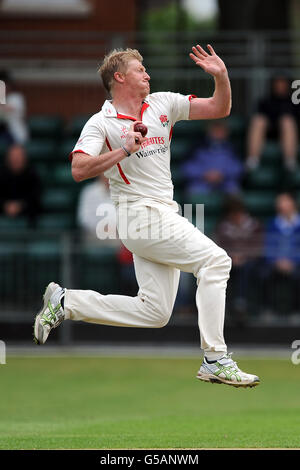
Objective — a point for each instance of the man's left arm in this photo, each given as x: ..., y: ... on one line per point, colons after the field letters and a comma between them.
x: 219, y: 105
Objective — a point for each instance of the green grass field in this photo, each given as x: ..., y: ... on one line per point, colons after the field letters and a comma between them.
x: 80, y: 403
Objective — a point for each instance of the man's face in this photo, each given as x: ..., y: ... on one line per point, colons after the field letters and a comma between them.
x: 285, y: 205
x: 16, y: 159
x: 137, y: 78
x: 218, y: 132
x: 281, y: 87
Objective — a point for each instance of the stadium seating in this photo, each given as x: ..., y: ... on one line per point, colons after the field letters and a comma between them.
x: 58, y: 199
x: 97, y: 269
x: 11, y: 264
x: 260, y: 203
x: 3, y: 149
x: 271, y: 155
x: 236, y: 125
x: 293, y: 180
x: 56, y: 222
x: 213, y: 202
x: 41, y: 254
x: 189, y: 130
x: 263, y: 178
x: 39, y: 150
x: 62, y: 175
x: 8, y: 224
x: 76, y: 125
x: 45, y: 126
x: 177, y: 176
x: 179, y: 149
x: 65, y: 148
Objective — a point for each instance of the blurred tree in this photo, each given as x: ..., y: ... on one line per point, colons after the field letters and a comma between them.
x: 170, y: 15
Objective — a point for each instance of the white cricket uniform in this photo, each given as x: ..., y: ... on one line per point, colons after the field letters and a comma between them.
x: 144, y: 179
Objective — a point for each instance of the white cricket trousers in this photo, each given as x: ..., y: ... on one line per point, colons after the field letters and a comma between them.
x: 162, y: 243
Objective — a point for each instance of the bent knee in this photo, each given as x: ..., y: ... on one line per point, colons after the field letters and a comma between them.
x: 162, y: 321
x: 158, y: 316
x: 161, y: 317
x: 222, y: 259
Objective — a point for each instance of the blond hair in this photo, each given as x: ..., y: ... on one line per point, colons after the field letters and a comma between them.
x: 116, y: 61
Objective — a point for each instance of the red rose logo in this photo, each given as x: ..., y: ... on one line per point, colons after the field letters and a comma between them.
x: 164, y: 120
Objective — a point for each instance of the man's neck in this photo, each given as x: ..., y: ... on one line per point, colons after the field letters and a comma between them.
x: 130, y: 106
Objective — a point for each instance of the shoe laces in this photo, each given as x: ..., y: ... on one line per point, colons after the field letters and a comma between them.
x: 52, y: 316
x: 232, y: 363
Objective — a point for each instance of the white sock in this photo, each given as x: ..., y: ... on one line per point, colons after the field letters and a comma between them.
x: 214, y: 356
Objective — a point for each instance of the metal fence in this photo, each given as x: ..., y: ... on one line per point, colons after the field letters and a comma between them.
x: 251, y: 56
x: 31, y: 259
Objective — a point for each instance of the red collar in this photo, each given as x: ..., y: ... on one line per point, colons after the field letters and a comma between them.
x: 123, y: 116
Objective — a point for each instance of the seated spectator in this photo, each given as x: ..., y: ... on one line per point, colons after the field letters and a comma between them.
x: 214, y: 166
x: 276, y: 116
x: 240, y: 235
x: 282, y: 255
x: 13, y: 127
x: 20, y: 187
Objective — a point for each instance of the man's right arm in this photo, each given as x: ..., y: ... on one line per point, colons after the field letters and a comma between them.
x: 85, y: 166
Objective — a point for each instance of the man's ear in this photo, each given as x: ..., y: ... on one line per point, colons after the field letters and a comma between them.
x: 119, y: 77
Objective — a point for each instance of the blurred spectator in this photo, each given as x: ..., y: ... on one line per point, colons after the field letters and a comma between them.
x: 282, y: 255
x: 95, y: 205
x: 214, y: 166
x: 96, y: 216
x: 276, y: 117
x: 240, y: 235
x: 13, y: 127
x: 20, y: 187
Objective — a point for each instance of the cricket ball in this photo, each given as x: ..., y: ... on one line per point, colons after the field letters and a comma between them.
x: 138, y: 127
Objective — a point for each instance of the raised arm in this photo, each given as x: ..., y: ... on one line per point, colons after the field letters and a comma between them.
x: 219, y: 105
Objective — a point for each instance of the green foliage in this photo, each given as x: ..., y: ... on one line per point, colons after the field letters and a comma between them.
x: 173, y: 18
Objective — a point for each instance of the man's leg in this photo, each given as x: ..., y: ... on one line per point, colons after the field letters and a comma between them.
x: 178, y: 243
x: 256, y: 140
x: 289, y: 140
x: 151, y: 308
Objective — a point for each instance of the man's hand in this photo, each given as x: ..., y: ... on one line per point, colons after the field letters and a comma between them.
x: 219, y: 105
x: 134, y: 139
x: 210, y: 63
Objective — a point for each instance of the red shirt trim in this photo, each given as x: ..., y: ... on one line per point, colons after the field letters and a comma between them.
x: 124, y: 116
x: 171, y: 132
x: 74, y: 151
x: 144, y: 107
x: 122, y: 174
x: 191, y: 97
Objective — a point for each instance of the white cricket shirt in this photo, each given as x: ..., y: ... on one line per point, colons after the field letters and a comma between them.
x: 146, y: 173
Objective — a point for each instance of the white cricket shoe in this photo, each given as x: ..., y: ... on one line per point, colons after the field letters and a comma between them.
x: 226, y: 371
x: 51, y: 315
